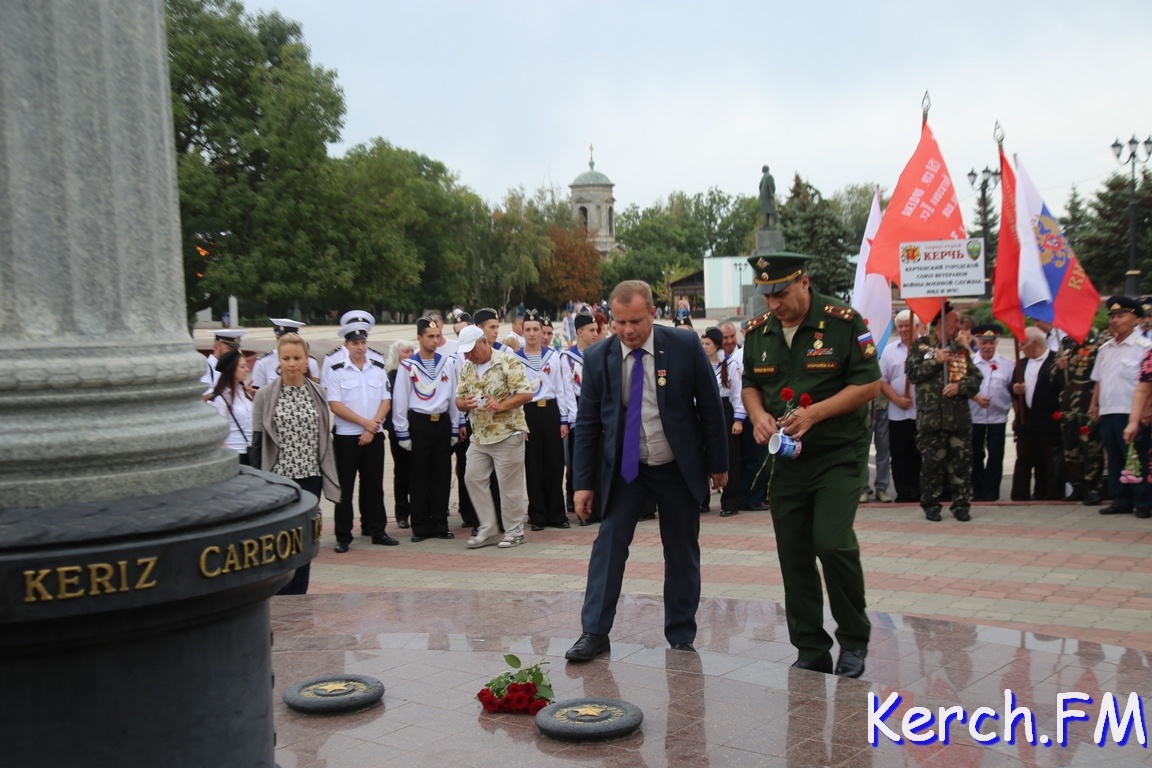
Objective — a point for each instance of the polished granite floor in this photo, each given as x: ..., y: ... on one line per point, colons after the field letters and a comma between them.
x: 736, y: 703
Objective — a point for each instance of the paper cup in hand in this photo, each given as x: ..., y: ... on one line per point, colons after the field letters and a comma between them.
x: 784, y: 446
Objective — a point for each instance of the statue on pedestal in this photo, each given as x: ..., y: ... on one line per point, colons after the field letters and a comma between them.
x: 768, y: 201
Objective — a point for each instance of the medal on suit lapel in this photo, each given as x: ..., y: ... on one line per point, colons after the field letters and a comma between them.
x: 661, y: 380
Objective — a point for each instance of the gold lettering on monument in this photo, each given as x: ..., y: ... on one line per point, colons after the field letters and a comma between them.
x: 251, y: 553
x: 89, y: 580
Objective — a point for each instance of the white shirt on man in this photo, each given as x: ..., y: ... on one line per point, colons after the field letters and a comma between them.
x: 892, y: 371
x: 360, y: 389
x: 1117, y: 372
x: 997, y: 386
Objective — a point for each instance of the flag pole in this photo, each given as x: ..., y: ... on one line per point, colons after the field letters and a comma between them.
x: 1017, y: 400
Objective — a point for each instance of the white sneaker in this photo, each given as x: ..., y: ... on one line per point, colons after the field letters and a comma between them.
x: 511, y: 541
x: 475, y: 543
x: 865, y: 497
x: 883, y: 496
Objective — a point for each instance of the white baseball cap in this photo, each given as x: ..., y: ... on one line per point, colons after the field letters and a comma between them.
x: 468, y: 338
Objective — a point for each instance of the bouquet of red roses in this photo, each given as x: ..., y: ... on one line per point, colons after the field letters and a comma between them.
x: 520, y: 690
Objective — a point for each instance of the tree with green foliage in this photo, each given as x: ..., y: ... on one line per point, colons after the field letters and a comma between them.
x: 1075, y: 221
x: 853, y: 204
x: 1104, y: 240
x: 252, y: 119
x: 813, y: 226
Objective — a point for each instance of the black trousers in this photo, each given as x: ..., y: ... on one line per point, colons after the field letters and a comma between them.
x: 1040, y: 454
x: 680, y: 535
x: 544, y: 464
x: 905, y: 459
x: 400, y: 472
x: 468, y: 517
x: 730, y: 498
x: 430, y: 472
x: 988, y: 469
x: 299, y: 583
x: 367, y: 461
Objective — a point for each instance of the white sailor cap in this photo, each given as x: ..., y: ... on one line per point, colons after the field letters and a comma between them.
x: 230, y: 336
x: 283, y: 325
x: 357, y: 316
x: 355, y: 331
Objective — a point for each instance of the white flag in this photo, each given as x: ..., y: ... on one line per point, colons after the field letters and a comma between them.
x: 872, y: 293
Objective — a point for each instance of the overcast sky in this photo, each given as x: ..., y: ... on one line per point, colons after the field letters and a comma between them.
x: 691, y: 95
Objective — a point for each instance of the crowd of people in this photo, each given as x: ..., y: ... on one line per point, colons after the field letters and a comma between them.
x: 809, y: 383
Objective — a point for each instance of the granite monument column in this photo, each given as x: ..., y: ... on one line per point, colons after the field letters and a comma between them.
x: 136, y: 558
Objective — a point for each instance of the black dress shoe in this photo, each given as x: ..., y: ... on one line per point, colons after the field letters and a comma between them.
x: 588, y: 647
x: 754, y: 507
x: 403, y: 524
x: 1091, y: 498
x: 418, y: 539
x: 564, y: 524
x: 728, y: 512
x: 341, y: 547
x: 684, y: 647
x: 384, y: 540
x: 446, y: 535
x: 934, y: 516
x: 823, y: 665
x: 850, y: 663
x: 535, y: 527
x: 1144, y: 513
x: 961, y: 515
x: 1116, y: 510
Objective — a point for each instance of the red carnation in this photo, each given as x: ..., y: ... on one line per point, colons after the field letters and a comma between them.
x: 805, y: 400
x: 994, y: 366
x: 536, y: 706
x: 1084, y: 431
x: 787, y: 394
x: 1057, y: 415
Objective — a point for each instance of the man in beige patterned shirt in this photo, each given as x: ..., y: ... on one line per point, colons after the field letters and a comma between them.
x: 493, y: 390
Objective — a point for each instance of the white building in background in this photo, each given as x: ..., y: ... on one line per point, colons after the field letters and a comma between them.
x: 728, y: 288
x: 594, y: 206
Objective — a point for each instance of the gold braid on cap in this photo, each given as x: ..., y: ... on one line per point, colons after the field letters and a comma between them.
x: 764, y: 280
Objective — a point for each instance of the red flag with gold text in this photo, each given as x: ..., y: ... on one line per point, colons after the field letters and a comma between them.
x: 923, y: 207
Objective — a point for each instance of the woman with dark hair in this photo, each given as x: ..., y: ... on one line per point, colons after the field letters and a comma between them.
x: 293, y: 433
x: 734, y: 414
x: 231, y: 400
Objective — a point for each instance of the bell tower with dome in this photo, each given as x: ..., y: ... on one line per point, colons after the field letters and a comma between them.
x: 593, y: 206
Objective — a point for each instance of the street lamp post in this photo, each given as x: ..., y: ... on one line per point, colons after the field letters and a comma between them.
x: 1132, y: 277
x: 989, y: 179
x: 740, y: 266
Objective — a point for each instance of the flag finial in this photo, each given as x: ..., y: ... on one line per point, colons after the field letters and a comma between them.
x: 998, y: 134
x: 926, y: 104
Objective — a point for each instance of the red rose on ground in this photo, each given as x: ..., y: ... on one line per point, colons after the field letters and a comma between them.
x: 536, y: 706
x: 529, y: 688
x: 1057, y: 415
x: 787, y: 394
x: 1084, y: 430
x: 805, y: 400
x: 517, y: 701
x: 512, y: 688
x: 486, y: 695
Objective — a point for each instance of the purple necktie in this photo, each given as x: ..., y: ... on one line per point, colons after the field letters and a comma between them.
x: 630, y: 459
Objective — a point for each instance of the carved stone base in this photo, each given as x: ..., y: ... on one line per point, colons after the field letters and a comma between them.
x: 769, y: 241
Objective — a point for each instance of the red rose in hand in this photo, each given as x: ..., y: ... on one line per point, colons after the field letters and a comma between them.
x: 1084, y: 431
x: 787, y: 394
x: 536, y: 706
x: 805, y: 400
x: 1057, y: 415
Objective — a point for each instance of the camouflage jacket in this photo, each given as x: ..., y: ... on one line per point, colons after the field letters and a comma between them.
x: 1077, y: 377
x: 933, y: 410
x: 504, y: 377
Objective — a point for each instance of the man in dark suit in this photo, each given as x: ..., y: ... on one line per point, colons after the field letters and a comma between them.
x: 1039, y: 448
x: 650, y: 394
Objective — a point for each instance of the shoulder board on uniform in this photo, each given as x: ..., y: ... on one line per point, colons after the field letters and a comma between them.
x: 338, y: 366
x: 335, y: 350
x: 266, y: 354
x: 376, y: 363
x: 844, y: 313
x: 756, y: 322
x: 370, y: 349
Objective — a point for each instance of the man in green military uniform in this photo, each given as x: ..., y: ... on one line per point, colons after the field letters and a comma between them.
x: 819, y: 348
x: 1083, y: 453
x: 945, y: 379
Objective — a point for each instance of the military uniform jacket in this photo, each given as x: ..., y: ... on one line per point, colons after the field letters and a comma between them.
x: 832, y: 349
x: 933, y: 410
x: 1077, y: 377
